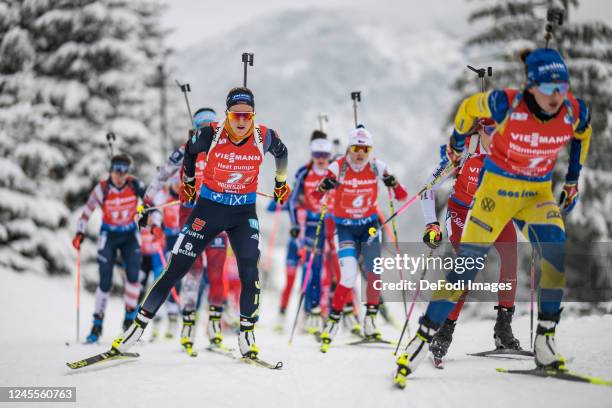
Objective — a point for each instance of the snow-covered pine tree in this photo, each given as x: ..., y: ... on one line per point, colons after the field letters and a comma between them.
x: 502, y: 29
x: 77, y: 70
x: 587, y: 48
x: 33, y: 235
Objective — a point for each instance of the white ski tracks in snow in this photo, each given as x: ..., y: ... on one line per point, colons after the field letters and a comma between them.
x: 38, y: 318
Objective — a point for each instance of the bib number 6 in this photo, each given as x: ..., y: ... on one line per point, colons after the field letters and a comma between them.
x: 358, y: 201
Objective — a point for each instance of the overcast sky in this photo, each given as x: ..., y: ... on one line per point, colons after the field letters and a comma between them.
x: 196, y: 20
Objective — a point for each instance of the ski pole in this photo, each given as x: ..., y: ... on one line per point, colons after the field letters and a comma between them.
x: 247, y: 59
x: 160, y: 253
x: 382, y: 218
x: 532, y: 290
x: 322, y: 117
x: 397, y: 250
x: 450, y: 167
x: 141, y: 208
x: 78, y: 295
x: 185, y: 88
x: 356, y: 97
x: 309, y: 268
x: 110, y: 138
x: 416, y: 295
x: 264, y: 194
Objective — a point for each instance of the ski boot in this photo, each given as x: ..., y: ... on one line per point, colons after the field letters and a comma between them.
x: 350, y: 321
x: 415, y: 352
x: 370, y: 331
x: 130, y: 314
x: 441, y: 341
x: 213, y: 328
x: 132, y: 334
x: 188, y: 332
x: 502, y: 332
x: 314, y: 322
x: 331, y: 329
x: 230, y: 318
x: 155, y: 329
x: 172, y: 325
x: 96, y: 329
x: 546, y: 355
x: 384, y: 313
x: 246, y: 338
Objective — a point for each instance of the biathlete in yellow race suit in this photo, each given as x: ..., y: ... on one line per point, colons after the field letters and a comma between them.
x: 533, y: 125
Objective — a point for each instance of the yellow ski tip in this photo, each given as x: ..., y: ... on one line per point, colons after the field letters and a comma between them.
x: 501, y: 370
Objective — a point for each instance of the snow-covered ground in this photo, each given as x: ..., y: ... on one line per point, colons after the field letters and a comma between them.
x: 37, y: 319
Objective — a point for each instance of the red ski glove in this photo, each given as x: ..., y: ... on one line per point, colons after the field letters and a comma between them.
x: 158, y: 233
x: 568, y: 197
x: 77, y: 240
x: 400, y: 192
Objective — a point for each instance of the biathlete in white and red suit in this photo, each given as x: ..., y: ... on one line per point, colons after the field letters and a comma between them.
x: 307, y: 180
x: 166, y: 224
x: 235, y: 149
x: 459, y: 204
x: 117, y: 196
x: 215, y: 253
x: 355, y: 180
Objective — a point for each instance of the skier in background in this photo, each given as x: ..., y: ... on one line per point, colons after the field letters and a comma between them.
x: 306, y: 181
x: 459, y: 203
x: 533, y: 125
x: 117, y: 196
x: 235, y: 150
x: 295, y: 249
x: 355, y: 178
x: 166, y: 219
x: 152, y: 238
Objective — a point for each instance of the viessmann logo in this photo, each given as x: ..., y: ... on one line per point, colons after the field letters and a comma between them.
x: 232, y: 157
x: 356, y: 182
x: 535, y: 139
x: 120, y: 200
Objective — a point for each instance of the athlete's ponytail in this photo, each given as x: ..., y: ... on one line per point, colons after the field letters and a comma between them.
x: 523, y: 54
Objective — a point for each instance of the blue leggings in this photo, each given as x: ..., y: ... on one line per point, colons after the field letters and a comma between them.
x: 108, y: 244
x: 313, y: 288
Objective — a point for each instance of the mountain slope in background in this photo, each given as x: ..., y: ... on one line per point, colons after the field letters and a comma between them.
x: 307, y: 62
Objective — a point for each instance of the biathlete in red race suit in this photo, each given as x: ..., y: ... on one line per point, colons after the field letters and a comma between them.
x: 532, y: 126
x: 235, y: 149
x: 307, y: 180
x: 118, y: 197
x: 459, y: 203
x: 354, y: 178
